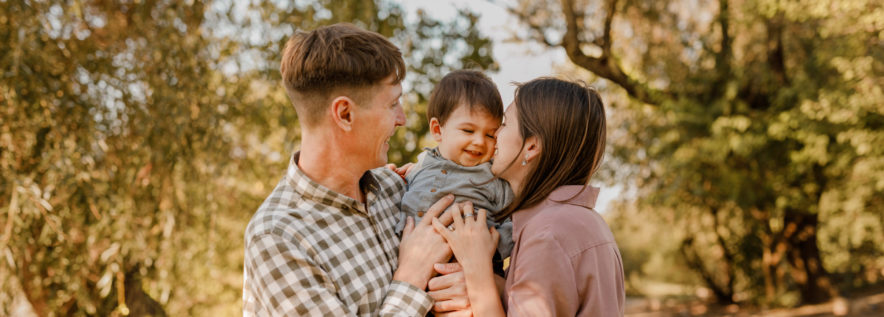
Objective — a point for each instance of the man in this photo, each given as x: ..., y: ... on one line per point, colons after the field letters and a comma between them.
x: 323, y: 243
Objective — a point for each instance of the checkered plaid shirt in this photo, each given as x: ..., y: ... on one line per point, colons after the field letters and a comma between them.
x: 312, y: 251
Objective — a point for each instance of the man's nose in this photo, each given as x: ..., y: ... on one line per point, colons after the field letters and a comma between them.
x: 400, y: 117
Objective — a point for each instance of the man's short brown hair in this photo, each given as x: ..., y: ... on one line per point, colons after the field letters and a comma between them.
x: 468, y: 87
x: 341, y: 56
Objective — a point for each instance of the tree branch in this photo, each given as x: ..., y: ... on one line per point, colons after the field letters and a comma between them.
x: 537, y: 29
x: 775, y: 55
x: 722, y: 58
x: 605, y: 66
x: 606, y: 36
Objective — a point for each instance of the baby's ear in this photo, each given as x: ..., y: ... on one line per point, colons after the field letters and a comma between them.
x: 436, y: 129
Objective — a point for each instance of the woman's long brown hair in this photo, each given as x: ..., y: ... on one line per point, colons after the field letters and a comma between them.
x: 568, y: 120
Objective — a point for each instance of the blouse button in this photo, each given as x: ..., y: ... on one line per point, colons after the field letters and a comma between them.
x: 444, y: 172
x: 433, y: 190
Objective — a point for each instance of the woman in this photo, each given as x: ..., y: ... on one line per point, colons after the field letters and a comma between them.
x: 565, y: 261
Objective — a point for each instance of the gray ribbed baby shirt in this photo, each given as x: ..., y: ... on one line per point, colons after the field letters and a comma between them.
x: 435, y: 176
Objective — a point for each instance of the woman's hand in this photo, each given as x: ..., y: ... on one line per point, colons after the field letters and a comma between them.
x: 472, y: 242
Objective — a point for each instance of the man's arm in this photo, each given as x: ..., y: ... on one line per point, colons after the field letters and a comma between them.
x: 286, y: 281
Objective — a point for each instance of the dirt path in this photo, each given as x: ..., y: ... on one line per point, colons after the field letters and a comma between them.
x: 865, y: 306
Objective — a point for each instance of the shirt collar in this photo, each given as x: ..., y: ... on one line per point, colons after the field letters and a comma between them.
x: 309, y: 189
x: 568, y: 194
x: 434, y: 152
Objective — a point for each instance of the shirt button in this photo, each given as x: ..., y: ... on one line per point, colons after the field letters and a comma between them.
x: 433, y: 190
x: 444, y: 172
x: 420, y: 213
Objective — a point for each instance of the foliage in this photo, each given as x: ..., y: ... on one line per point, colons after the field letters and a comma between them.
x: 137, y: 138
x: 753, y: 127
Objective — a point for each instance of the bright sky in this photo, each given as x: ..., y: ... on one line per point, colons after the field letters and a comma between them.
x: 519, y: 62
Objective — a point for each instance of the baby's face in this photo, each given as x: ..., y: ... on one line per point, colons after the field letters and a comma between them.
x: 467, y: 137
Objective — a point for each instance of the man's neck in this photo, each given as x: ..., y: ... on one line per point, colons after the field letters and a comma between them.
x: 325, y: 163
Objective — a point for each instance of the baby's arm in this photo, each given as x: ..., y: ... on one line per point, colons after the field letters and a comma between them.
x: 402, y: 170
x: 407, y: 167
x: 501, y: 195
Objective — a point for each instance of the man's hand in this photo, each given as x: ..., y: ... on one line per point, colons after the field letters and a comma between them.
x: 421, y: 246
x: 449, y: 290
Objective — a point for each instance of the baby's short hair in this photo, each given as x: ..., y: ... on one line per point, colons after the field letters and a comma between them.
x: 469, y: 87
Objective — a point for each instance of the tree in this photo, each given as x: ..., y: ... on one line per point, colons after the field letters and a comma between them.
x: 750, y: 120
x: 137, y: 139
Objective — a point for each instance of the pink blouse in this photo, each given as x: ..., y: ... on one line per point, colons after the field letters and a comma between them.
x: 565, y: 261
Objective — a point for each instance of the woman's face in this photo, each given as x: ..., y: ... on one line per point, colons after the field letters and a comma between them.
x: 509, y: 144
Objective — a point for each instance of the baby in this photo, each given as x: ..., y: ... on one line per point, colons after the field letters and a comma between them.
x: 465, y: 111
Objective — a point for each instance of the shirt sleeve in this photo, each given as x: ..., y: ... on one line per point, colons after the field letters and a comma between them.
x: 286, y: 281
x: 404, y: 299
x: 542, y: 280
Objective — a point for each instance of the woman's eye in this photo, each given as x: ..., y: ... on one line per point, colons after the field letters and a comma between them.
x: 467, y: 131
x: 490, y: 136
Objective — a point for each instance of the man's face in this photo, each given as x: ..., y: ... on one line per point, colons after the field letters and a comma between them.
x: 377, y: 122
x: 467, y: 137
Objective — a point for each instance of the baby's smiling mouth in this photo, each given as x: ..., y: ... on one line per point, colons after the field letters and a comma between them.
x: 473, y: 153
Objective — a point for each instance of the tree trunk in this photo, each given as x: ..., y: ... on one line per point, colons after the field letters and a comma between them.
x: 723, y: 294
x: 804, y: 258
x: 139, y: 302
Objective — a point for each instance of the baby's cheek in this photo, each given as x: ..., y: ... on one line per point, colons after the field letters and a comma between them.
x: 491, y: 144
x: 489, y: 151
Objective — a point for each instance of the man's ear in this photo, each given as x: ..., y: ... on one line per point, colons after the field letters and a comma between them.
x: 436, y: 129
x: 532, y: 148
x: 342, y: 112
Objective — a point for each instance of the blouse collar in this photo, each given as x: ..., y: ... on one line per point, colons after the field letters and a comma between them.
x: 576, y: 195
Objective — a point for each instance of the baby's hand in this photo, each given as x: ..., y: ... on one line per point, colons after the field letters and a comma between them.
x: 402, y: 171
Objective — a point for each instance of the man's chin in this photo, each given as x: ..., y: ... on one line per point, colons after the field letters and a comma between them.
x: 382, y: 161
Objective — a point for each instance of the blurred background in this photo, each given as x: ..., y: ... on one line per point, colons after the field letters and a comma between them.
x: 744, y: 172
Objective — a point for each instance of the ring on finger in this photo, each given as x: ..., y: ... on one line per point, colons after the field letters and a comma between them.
x: 468, y: 215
